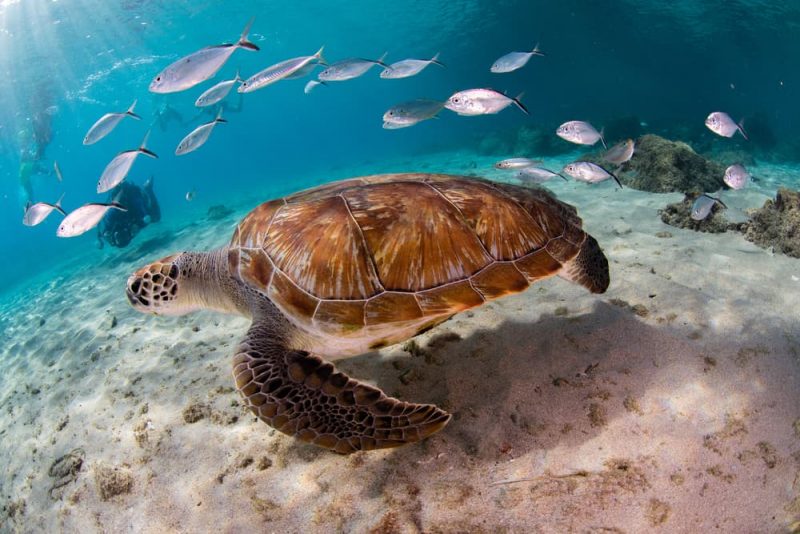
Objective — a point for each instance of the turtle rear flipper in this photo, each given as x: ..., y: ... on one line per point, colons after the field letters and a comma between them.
x: 304, y: 396
x: 588, y: 268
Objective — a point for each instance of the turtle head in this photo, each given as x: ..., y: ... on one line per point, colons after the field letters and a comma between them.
x: 180, y: 284
x: 157, y: 287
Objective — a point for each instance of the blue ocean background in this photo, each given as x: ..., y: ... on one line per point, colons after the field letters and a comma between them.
x: 644, y: 65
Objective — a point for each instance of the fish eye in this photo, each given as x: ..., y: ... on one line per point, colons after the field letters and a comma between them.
x: 158, y: 79
x: 456, y: 100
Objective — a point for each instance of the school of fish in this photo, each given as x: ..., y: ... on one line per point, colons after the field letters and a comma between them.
x: 203, y: 64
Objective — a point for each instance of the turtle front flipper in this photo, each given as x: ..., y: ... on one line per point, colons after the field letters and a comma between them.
x: 304, y: 396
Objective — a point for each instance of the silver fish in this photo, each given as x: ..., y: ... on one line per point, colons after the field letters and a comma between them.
x: 36, y: 213
x: 198, y: 136
x: 410, y: 113
x: 736, y: 176
x: 116, y: 171
x: 347, y: 69
x: 481, y: 102
x: 580, y: 133
x: 536, y: 175
x: 702, y: 206
x: 106, y: 123
x: 514, y: 60
x: 516, y: 163
x: 57, y: 171
x: 85, y: 218
x: 586, y: 171
x: 305, y: 71
x: 283, y: 70
x: 408, y: 67
x: 397, y: 125
x: 620, y: 153
x: 199, y: 66
x: 190, y: 195
x: 722, y: 124
x: 311, y: 85
x: 217, y: 93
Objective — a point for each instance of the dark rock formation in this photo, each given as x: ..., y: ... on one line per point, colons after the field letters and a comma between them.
x: 662, y: 166
x: 777, y: 224
x: 679, y: 215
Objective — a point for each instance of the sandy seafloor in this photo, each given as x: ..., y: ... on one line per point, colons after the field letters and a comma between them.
x: 669, y: 404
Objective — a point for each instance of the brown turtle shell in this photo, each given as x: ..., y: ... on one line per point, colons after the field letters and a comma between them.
x: 408, y: 249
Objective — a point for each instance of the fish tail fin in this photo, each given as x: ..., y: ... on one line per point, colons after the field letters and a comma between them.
x: 57, y: 171
x: 537, y: 52
x: 435, y: 60
x: 319, y: 56
x: 603, y: 139
x: 219, y: 116
x: 243, y: 41
x: 144, y: 150
x: 380, y: 61
x: 130, y: 112
x: 57, y: 205
x: 238, y: 78
x: 741, y: 130
x: 518, y: 102
x: 614, y: 176
x: 116, y: 205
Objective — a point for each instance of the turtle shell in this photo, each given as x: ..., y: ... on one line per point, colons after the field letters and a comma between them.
x: 382, y: 257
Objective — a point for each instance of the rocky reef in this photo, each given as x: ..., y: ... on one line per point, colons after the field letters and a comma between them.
x: 662, y: 166
x: 679, y: 215
x: 777, y: 224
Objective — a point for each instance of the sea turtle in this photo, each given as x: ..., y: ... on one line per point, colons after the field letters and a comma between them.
x: 359, y: 264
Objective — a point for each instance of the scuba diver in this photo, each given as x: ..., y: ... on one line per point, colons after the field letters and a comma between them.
x: 118, y: 227
x: 30, y: 165
x: 33, y: 140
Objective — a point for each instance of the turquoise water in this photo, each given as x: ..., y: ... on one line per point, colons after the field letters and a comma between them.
x: 64, y: 64
x: 685, y: 370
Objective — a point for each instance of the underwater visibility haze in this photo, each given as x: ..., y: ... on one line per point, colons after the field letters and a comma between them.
x: 646, y: 151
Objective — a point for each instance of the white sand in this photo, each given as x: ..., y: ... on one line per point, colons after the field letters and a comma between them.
x: 671, y: 403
